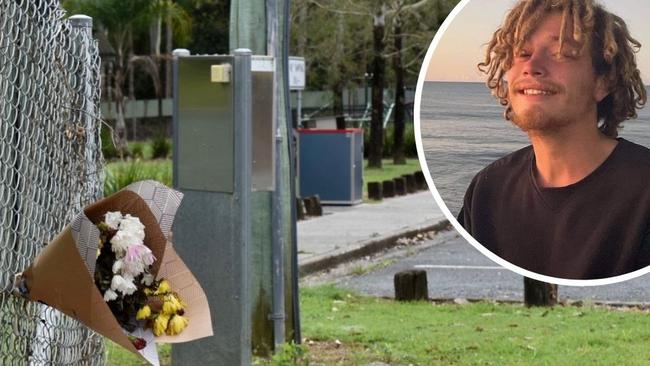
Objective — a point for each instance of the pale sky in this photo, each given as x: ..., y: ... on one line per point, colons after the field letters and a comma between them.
x: 461, y: 46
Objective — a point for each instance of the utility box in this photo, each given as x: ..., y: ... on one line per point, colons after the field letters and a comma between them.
x: 203, y: 132
x: 330, y: 164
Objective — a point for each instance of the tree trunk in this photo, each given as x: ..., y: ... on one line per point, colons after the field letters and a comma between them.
x: 375, y: 150
x: 168, y: 60
x: 398, y: 121
x: 537, y: 293
x: 118, y: 92
x: 337, y: 108
x: 134, y: 121
x: 120, y: 125
x: 338, y: 59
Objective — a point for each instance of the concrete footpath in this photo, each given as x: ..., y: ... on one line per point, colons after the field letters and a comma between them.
x: 348, y: 233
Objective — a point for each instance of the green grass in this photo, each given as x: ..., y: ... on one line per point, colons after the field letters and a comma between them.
x: 422, y: 333
x: 389, y: 170
x: 118, y: 356
x: 361, y: 269
x: 120, y: 174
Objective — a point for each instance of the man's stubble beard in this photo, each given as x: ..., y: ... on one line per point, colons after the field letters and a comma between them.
x: 535, y: 119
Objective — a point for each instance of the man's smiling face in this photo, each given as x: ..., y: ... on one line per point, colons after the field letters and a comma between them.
x: 549, y: 89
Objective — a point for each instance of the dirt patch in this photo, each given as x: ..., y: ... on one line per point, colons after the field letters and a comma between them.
x: 326, y: 353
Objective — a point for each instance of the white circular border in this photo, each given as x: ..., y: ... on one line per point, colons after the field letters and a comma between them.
x: 452, y: 219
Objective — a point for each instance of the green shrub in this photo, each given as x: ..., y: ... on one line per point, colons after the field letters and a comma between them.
x: 410, y: 149
x: 121, y: 174
x: 137, y: 150
x: 160, y: 147
x: 108, y: 147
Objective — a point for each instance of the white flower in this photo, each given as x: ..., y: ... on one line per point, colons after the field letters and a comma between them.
x: 127, y: 277
x: 136, y: 259
x: 110, y: 295
x: 112, y: 219
x: 133, y: 268
x: 123, y: 285
x: 117, y: 266
x: 121, y: 241
x: 133, y: 226
x: 147, y: 279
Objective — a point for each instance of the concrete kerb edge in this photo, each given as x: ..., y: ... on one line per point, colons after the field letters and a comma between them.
x: 365, y: 248
x: 643, y: 306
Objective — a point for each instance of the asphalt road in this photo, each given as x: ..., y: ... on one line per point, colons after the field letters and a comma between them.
x: 456, y: 270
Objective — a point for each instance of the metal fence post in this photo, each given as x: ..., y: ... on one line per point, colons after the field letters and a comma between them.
x: 88, y: 98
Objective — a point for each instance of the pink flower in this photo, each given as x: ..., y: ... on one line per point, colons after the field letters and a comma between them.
x: 137, y: 258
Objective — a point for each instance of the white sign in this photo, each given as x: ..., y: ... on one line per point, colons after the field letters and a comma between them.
x: 262, y: 63
x: 297, y: 73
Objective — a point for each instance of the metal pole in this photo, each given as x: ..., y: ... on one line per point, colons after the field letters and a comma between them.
x: 299, y: 109
x: 243, y: 105
x: 277, y: 315
x: 84, y: 24
x: 295, y: 300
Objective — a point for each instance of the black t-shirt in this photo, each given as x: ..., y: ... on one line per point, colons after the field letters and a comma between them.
x: 595, y: 228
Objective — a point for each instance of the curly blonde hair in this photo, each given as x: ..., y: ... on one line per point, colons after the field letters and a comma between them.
x: 612, y: 52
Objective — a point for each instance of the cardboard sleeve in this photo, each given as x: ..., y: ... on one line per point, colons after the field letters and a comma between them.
x: 62, y: 275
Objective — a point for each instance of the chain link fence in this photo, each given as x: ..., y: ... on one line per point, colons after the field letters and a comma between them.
x: 50, y: 166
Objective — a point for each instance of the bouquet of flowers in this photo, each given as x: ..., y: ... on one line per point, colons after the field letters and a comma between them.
x: 114, y: 269
x: 123, y: 276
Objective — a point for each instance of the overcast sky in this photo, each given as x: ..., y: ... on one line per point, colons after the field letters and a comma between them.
x: 462, y: 45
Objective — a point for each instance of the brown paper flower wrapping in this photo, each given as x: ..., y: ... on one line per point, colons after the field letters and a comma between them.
x: 61, y: 276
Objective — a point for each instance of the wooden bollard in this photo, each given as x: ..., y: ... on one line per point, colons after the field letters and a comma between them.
x: 537, y: 293
x: 312, y: 206
x: 410, y: 183
x: 388, y: 188
x: 400, y: 186
x: 300, y: 209
x: 411, y: 285
x: 375, y: 191
x: 420, y: 181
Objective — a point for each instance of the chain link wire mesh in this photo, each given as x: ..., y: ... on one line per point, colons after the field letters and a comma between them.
x: 50, y: 166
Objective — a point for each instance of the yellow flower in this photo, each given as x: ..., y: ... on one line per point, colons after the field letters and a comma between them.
x: 148, y: 291
x: 143, y: 313
x: 177, y: 324
x: 171, y: 305
x: 163, y: 288
x: 160, y: 324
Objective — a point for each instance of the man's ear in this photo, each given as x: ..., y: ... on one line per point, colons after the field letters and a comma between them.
x: 602, y: 88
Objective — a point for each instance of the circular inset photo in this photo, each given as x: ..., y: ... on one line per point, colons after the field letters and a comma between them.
x: 530, y: 123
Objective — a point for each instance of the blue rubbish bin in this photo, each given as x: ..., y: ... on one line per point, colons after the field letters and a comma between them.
x: 330, y: 164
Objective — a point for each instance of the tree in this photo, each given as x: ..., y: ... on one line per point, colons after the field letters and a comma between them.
x: 334, y: 41
x: 375, y: 150
x: 411, y: 23
x: 117, y: 20
x: 121, y: 23
x: 413, y: 29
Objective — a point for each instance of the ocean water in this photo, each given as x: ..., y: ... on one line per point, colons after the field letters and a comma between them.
x: 463, y: 131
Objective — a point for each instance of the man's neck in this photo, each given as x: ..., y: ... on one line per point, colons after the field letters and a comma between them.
x: 568, y: 155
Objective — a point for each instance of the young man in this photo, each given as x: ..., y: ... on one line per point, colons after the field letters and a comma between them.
x: 576, y: 203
